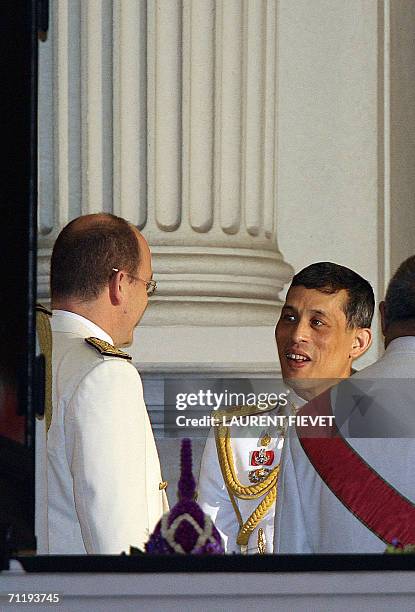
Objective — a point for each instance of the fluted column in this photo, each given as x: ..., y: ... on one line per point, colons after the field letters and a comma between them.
x: 212, y: 164
x: 92, y: 117
x: 130, y: 106
x: 165, y: 113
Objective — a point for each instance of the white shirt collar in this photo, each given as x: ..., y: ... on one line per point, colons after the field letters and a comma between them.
x: 96, y: 331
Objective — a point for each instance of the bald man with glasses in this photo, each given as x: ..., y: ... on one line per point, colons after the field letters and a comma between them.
x: 105, y: 491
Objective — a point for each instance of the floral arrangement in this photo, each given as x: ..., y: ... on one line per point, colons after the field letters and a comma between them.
x: 397, y: 548
x: 186, y: 529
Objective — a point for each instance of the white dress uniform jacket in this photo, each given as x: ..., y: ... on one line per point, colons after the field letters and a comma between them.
x: 213, y: 495
x: 310, y: 518
x: 103, y: 466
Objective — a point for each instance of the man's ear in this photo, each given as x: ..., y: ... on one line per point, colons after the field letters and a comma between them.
x: 362, y: 340
x: 115, y: 288
x: 382, y: 311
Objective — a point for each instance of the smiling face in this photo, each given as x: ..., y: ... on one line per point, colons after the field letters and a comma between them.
x: 312, y: 336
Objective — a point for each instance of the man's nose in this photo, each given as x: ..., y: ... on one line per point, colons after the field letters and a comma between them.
x: 300, y: 331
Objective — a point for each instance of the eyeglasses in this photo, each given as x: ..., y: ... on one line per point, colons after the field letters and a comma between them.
x: 151, y: 285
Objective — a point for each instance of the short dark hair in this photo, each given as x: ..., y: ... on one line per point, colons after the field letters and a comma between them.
x: 329, y: 277
x: 84, y: 255
x: 400, y: 296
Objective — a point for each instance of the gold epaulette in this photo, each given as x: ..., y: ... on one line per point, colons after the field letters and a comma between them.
x: 237, y: 411
x: 41, y: 308
x: 105, y: 348
x: 44, y: 335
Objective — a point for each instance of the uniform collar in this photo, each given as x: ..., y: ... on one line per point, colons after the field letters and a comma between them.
x: 295, y: 399
x: 70, y: 322
x: 403, y: 344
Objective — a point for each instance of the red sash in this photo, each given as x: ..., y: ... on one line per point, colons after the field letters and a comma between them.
x: 376, y: 503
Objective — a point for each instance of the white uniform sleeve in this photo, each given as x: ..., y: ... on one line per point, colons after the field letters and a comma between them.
x: 290, y: 531
x: 105, y: 434
x: 213, y: 496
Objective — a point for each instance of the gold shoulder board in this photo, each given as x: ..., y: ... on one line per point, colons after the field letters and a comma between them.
x: 105, y: 348
x: 41, y: 308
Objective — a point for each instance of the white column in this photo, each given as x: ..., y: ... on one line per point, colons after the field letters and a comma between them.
x: 60, y: 133
x: 165, y: 113
x: 211, y: 131
x: 96, y: 105
x: 130, y: 105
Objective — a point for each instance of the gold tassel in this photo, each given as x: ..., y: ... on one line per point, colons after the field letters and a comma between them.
x: 261, y: 542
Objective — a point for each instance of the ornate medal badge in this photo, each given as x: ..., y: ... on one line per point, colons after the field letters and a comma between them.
x: 256, y: 476
x: 261, y: 457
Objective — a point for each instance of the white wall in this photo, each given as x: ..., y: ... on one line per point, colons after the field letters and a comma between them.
x: 402, y: 133
x: 328, y: 135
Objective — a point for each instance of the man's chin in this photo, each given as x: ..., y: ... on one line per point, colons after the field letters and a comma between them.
x: 128, y: 342
x: 295, y: 373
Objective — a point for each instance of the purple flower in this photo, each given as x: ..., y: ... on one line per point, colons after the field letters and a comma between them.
x: 185, y: 529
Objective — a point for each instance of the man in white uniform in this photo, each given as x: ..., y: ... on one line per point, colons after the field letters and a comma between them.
x: 324, y: 326
x: 105, y: 491
x: 375, y: 414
